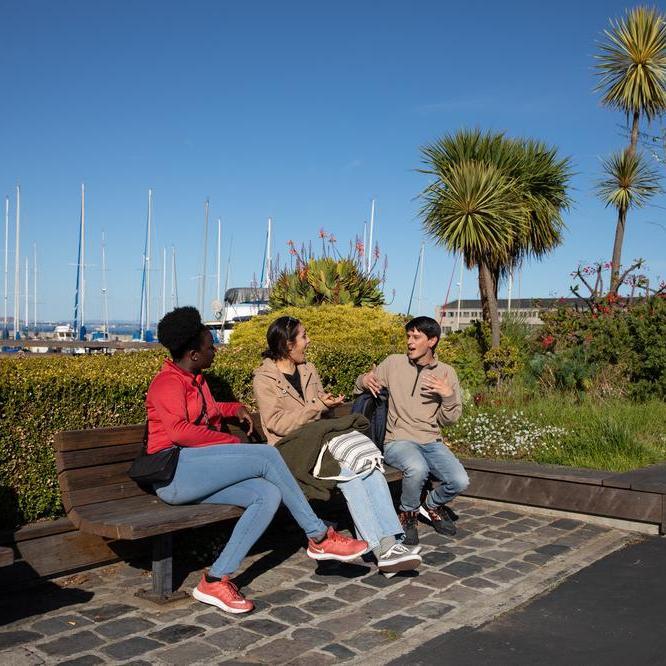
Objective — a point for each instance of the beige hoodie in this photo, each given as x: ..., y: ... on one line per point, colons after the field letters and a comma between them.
x: 280, y: 406
x: 414, y: 414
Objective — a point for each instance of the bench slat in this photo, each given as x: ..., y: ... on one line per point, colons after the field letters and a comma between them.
x: 150, y: 518
x: 79, y: 498
x: 72, y: 460
x: 93, y: 477
x: 6, y: 556
x: 75, y: 440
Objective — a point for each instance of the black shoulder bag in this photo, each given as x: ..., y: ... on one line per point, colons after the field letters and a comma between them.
x: 150, y: 468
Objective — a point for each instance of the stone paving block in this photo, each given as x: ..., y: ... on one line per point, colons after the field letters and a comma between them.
x: 410, y: 593
x: 433, y: 539
x: 531, y: 522
x: 233, y: 639
x: 131, y: 647
x: 432, y: 610
x: 344, y: 624
x: 278, y: 651
x: 460, y: 550
x: 566, y: 524
x: 176, y: 633
x: 369, y: 639
x: 9, y: 639
x: 353, y: 592
x: 72, y: 644
x: 165, y: 616
x: 214, y: 620
x: 340, y: 652
x: 380, y: 581
x: 435, y: 580
x: 479, y: 583
x: 517, y: 546
x: 291, y: 615
x: 509, y: 515
x: 123, y: 627
x: 477, y: 543
x: 537, y: 558
x: 522, y: 567
x: 499, y: 555
x: 462, y: 569
x: 83, y: 660
x: 503, y: 575
x: 60, y: 623
x: 281, y: 597
x: 437, y: 558
x: 312, y: 657
x: 482, y: 562
x: 20, y: 656
x: 189, y: 653
x: 311, y: 586
x: 263, y: 626
x: 552, y: 549
x: 397, y: 623
x: 312, y: 637
x: 459, y: 594
x: 106, y: 612
x: 323, y: 605
x: 517, y: 528
x: 498, y: 535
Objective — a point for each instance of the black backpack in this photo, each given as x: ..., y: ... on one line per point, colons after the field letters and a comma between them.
x: 375, y: 410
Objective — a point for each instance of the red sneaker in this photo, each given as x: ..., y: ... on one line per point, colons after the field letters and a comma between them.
x: 223, y: 594
x: 336, y: 547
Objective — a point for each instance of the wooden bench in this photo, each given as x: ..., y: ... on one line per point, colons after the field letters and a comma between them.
x: 6, y: 556
x: 100, y: 498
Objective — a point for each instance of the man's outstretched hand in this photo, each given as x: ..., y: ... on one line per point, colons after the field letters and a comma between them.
x: 371, y: 382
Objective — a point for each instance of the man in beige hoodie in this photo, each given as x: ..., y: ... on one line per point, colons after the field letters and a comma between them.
x: 424, y: 395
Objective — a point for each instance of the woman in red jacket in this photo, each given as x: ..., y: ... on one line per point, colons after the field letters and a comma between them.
x: 214, y: 468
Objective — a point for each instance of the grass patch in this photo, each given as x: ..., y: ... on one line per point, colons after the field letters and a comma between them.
x: 612, y: 435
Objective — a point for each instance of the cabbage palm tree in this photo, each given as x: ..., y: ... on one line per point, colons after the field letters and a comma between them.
x: 629, y: 183
x: 496, y: 201
x: 632, y: 66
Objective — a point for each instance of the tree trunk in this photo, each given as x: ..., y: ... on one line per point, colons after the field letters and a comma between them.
x: 489, y: 303
x: 617, y: 250
x: 634, y: 133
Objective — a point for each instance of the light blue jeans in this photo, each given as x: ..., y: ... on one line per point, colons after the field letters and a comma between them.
x: 247, y: 475
x: 371, y: 506
x: 416, y: 462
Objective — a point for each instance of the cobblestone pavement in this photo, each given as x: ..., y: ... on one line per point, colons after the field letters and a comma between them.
x: 307, y: 613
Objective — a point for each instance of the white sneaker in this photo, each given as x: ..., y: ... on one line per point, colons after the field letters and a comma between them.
x: 399, y: 558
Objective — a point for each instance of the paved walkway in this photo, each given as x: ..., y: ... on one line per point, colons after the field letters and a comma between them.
x: 335, y: 612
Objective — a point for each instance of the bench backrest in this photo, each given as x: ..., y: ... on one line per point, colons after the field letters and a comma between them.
x: 93, y: 464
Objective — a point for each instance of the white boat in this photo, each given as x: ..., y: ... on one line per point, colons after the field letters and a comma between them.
x: 240, y: 304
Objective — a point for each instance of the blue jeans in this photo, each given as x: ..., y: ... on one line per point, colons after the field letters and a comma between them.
x: 247, y: 475
x: 416, y: 462
x: 371, y: 507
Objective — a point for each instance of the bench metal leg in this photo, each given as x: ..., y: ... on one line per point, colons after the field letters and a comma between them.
x: 162, y: 573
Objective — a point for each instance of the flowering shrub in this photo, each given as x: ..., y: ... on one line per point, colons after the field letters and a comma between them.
x: 502, y: 434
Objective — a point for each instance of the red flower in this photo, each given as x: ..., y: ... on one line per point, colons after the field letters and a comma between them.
x: 547, y: 342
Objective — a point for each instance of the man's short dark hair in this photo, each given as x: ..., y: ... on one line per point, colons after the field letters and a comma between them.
x: 426, y: 325
x: 180, y: 331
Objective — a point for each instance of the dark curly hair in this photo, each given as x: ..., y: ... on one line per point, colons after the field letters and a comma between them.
x: 180, y: 331
x: 280, y: 333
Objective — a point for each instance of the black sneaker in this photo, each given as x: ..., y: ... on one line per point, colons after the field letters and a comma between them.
x: 441, y: 518
x: 409, y: 522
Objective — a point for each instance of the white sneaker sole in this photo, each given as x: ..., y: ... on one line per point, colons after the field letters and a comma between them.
x: 329, y: 556
x: 214, y: 601
x: 406, y: 563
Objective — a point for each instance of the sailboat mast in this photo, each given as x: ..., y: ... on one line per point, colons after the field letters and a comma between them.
x: 204, y: 277
x: 104, y: 292
x: 83, y: 256
x: 17, y: 304
x: 163, y: 281
x: 6, y: 267
x: 372, y: 228
x: 27, y: 291
x: 174, y: 282
x: 219, y: 246
x: 269, y: 260
x: 148, y: 252
x: 34, y: 286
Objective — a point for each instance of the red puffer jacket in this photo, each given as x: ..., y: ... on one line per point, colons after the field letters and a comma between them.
x: 174, y: 403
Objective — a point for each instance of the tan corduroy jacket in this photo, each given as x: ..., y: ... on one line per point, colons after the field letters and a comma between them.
x: 281, y: 408
x: 414, y: 414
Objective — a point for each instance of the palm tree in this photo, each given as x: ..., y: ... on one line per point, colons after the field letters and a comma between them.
x: 495, y: 200
x: 632, y: 67
x: 630, y: 183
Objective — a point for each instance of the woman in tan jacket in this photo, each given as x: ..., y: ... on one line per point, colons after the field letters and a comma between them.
x: 289, y: 394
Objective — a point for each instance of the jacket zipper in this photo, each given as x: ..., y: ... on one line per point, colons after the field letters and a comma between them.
x: 416, y: 381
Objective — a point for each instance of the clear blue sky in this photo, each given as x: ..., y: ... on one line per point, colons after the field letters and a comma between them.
x: 302, y: 111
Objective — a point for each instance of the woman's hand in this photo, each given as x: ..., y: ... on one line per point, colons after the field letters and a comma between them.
x: 244, y: 417
x: 330, y: 400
